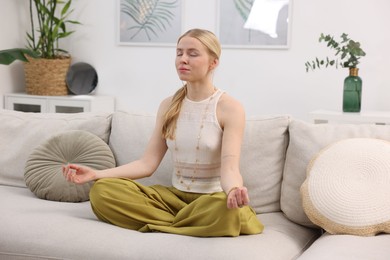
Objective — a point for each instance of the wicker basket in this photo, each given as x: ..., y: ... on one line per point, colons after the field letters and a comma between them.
x: 46, y: 77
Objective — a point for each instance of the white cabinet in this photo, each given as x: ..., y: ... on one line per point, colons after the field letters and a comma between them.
x: 366, y: 117
x: 58, y: 104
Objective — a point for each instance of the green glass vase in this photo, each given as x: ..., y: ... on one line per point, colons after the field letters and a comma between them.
x: 352, y: 96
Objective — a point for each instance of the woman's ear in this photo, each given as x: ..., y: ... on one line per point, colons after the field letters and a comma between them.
x: 214, y: 63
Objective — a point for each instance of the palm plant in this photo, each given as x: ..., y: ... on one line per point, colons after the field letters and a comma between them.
x: 43, y: 41
x: 149, y: 16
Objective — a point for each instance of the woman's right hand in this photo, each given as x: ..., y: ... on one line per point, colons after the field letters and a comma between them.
x: 78, y: 174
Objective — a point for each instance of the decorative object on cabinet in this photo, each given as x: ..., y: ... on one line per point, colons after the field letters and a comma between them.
x: 352, y: 94
x: 58, y: 104
x: 46, y: 77
x: 348, y: 54
x: 46, y: 63
x: 81, y: 79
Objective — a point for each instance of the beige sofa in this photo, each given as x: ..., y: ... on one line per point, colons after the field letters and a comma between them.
x: 275, y: 154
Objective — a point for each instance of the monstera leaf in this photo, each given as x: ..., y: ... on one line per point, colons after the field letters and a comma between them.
x: 243, y: 7
x: 149, y: 16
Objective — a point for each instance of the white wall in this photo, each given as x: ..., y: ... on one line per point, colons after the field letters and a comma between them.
x: 265, y: 81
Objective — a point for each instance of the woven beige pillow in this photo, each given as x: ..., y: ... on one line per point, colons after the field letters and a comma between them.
x: 43, y: 170
x: 347, y: 187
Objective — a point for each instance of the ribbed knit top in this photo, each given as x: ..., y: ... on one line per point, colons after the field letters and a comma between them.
x: 199, y: 169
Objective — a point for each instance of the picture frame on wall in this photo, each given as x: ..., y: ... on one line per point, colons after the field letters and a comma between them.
x: 149, y: 22
x: 254, y: 23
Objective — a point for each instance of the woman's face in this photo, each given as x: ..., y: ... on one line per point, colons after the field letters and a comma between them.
x: 193, y: 61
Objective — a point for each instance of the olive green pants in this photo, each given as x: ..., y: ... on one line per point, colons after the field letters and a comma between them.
x: 128, y: 204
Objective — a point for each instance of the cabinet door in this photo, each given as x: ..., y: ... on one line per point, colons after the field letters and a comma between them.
x: 68, y: 106
x: 26, y: 104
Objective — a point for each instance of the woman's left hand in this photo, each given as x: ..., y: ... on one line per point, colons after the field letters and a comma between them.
x: 237, y: 198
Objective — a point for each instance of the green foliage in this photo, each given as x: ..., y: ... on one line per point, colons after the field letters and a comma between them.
x: 243, y: 7
x: 42, y: 41
x: 52, y: 16
x: 9, y: 56
x: 347, y: 55
x: 149, y: 16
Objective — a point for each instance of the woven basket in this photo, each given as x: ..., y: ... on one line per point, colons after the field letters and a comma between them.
x: 46, y: 77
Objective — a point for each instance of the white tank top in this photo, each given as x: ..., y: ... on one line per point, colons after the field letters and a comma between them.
x: 197, y: 170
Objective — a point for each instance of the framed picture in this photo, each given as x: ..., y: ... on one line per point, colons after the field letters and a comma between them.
x: 254, y: 23
x: 149, y: 22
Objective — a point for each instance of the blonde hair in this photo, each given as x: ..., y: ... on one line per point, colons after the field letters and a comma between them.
x: 210, y: 41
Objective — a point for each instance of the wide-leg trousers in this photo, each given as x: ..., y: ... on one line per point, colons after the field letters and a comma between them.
x: 157, y: 208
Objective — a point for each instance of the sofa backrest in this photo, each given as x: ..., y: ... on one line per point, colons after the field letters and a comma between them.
x: 21, y: 133
x: 130, y: 133
x: 262, y: 158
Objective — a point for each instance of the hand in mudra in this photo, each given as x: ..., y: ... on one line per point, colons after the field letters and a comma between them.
x: 237, y: 197
x: 78, y: 174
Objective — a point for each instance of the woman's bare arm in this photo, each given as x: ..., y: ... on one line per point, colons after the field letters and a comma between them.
x: 143, y: 167
x: 232, y: 118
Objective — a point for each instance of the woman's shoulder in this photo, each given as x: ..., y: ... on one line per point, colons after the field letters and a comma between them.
x: 229, y: 103
x: 166, y: 101
x: 229, y: 110
x: 164, y: 105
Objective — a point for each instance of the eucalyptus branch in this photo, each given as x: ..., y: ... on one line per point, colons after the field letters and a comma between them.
x: 347, y: 53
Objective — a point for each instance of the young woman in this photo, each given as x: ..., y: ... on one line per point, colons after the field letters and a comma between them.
x: 202, y: 127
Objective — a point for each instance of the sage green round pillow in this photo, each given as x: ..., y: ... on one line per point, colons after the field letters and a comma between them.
x: 43, y: 170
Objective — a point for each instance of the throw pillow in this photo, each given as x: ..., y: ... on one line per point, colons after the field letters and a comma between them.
x: 43, y: 170
x: 22, y: 132
x: 347, y: 187
x: 306, y: 140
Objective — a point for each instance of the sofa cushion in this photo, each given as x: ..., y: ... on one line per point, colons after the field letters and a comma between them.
x: 42, y: 229
x: 43, y: 171
x: 262, y: 158
x: 348, y: 247
x: 306, y: 141
x: 347, y: 188
x: 21, y: 133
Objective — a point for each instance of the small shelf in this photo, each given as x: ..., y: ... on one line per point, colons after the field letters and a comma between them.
x: 366, y: 117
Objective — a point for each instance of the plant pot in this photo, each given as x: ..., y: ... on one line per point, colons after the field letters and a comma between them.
x: 352, y: 96
x: 46, y: 77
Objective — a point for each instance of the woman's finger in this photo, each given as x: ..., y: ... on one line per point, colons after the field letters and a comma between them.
x: 238, y: 198
x: 245, y: 197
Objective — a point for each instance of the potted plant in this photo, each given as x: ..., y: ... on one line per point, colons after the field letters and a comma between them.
x: 347, y: 55
x: 46, y: 64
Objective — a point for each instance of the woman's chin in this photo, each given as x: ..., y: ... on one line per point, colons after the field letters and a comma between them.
x: 183, y: 78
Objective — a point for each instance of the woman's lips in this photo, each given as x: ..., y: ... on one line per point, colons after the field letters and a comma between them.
x: 183, y: 69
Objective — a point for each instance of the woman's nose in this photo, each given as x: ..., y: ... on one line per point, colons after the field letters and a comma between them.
x: 184, y: 58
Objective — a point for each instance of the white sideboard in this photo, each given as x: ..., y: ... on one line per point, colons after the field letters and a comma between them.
x: 364, y: 117
x: 58, y: 104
